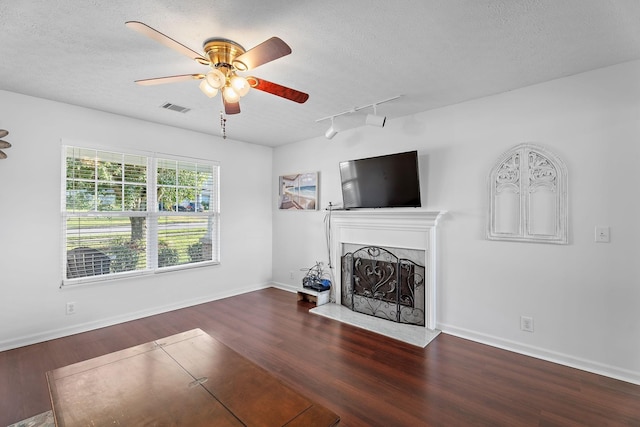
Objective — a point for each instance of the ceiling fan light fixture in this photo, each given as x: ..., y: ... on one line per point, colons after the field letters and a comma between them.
x: 240, y: 66
x: 225, y: 57
x: 216, y: 78
x: 240, y: 85
x: 230, y: 95
x: 206, y: 88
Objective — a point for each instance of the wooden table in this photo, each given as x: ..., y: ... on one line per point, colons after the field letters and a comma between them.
x: 188, y: 379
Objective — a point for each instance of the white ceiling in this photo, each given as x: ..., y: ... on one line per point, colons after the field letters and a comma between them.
x: 346, y: 54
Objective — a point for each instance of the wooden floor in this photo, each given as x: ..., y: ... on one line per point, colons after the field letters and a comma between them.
x: 367, y: 379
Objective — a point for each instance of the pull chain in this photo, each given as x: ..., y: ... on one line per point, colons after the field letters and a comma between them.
x: 223, y: 125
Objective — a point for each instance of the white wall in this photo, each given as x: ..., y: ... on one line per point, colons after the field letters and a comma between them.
x: 585, y: 296
x: 32, y: 307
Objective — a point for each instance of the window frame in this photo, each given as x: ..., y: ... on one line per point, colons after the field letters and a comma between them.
x: 152, y: 213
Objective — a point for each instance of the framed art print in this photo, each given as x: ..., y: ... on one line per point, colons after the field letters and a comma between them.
x: 298, y: 191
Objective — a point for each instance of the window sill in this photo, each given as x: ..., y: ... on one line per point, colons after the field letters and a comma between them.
x: 102, y: 279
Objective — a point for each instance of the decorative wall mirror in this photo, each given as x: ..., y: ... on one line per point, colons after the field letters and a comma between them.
x: 528, y: 197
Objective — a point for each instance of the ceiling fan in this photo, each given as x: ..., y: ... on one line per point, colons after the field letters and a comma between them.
x: 3, y: 144
x: 225, y: 58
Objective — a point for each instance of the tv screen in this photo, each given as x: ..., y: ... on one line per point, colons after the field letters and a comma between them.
x: 381, y: 182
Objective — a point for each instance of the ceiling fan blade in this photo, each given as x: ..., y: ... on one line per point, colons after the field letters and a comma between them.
x: 231, y: 107
x: 266, y: 51
x: 156, y: 35
x: 3, y: 133
x: 169, y: 79
x: 2, y: 155
x: 278, y: 90
x: 4, y: 144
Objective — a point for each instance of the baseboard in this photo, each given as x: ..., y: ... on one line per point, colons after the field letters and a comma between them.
x: 286, y: 287
x: 544, y: 354
x: 102, y: 323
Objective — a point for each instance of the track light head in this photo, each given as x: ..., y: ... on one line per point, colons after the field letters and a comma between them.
x: 374, y: 120
x: 332, y: 131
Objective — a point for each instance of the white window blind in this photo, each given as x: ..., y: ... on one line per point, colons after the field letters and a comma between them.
x: 127, y: 214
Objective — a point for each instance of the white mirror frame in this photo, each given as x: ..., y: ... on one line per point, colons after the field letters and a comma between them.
x: 528, y: 196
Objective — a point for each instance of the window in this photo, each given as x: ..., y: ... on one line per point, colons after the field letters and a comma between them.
x: 125, y: 214
x: 528, y: 197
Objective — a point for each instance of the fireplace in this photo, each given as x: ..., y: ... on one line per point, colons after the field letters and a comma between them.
x: 377, y: 282
x: 399, y: 232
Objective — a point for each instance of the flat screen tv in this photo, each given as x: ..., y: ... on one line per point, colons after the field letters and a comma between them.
x: 381, y: 182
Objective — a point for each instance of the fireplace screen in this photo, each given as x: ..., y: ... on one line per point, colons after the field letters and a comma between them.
x: 376, y: 282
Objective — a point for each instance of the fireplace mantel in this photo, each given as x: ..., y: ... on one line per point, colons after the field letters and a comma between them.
x: 409, y: 229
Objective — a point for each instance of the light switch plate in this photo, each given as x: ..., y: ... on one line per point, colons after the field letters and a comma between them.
x: 603, y: 234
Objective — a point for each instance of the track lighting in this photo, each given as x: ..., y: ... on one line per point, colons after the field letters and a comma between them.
x: 332, y: 131
x: 374, y: 119
x: 371, y: 119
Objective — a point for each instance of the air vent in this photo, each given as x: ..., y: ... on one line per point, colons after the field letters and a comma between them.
x: 174, y: 107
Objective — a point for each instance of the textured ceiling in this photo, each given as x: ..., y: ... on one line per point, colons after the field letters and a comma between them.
x: 346, y: 54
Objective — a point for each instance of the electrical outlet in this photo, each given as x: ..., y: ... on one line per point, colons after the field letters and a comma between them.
x: 71, y: 308
x: 526, y: 323
x: 291, y: 276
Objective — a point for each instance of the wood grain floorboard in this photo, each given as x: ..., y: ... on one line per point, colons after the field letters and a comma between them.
x: 367, y: 379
